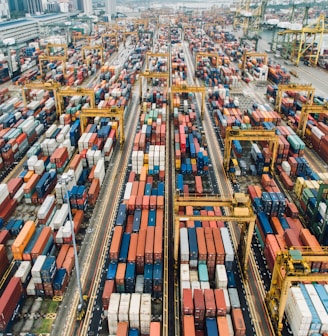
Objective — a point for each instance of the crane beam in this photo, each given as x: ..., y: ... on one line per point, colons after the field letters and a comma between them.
x: 306, y: 110
x: 294, y: 87
x: 112, y: 112
x: 190, y: 89
x: 292, y: 266
x: 249, y: 135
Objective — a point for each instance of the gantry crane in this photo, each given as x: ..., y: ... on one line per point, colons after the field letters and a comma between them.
x: 69, y: 91
x: 55, y: 45
x: 248, y: 135
x: 293, y: 87
x: 241, y: 212
x: 292, y: 266
x: 95, y: 47
x: 306, y: 42
x: 54, y: 86
x: 111, y: 112
x: 110, y: 35
x: 305, y: 111
x: 189, y: 89
x: 201, y: 54
x: 43, y: 58
x: 129, y: 33
x: 79, y: 36
x: 248, y: 54
x: 150, y: 54
x: 148, y: 74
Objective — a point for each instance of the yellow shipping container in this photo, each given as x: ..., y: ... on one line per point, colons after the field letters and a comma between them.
x: 22, y: 239
x: 146, y: 158
x: 193, y: 161
x: 266, y: 169
x: 28, y: 175
x: 177, y: 164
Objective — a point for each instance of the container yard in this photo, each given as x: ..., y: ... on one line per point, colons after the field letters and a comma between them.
x: 165, y: 174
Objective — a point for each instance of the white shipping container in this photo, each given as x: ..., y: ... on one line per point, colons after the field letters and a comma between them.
x: 204, y: 285
x: 20, y: 193
x: 60, y: 216
x: 195, y: 285
x: 184, y: 272
x: 227, y: 300
x: 30, y: 290
x: 59, y: 236
x: 23, y: 270
x: 134, y: 311
x: 113, y: 312
x: 46, y: 206
x: 297, y: 312
x: 36, y: 269
x: 4, y: 192
x: 50, y: 131
x: 139, y: 284
x: 230, y: 326
x: 321, y: 311
x: 123, y: 311
x: 184, y: 245
x: 145, y: 313
x: 228, y: 248
x: 100, y: 170
x: 234, y: 298
x: 221, y: 279
x: 193, y: 275
x: 127, y: 191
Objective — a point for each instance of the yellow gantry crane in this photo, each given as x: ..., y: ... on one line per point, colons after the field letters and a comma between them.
x: 109, y: 35
x: 129, y: 33
x: 241, y: 212
x: 293, y: 87
x: 248, y: 54
x: 306, y: 42
x: 77, y: 37
x: 190, y: 89
x: 43, y: 58
x: 249, y: 135
x: 292, y: 266
x: 69, y: 91
x: 95, y: 47
x: 54, y: 86
x: 148, y: 74
x: 111, y: 112
x: 306, y: 110
x: 150, y: 54
x: 55, y: 45
x: 201, y: 54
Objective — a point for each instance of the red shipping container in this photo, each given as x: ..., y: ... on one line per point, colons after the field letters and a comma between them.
x: 13, y: 185
x: 210, y: 306
x: 221, y: 307
x: 4, y: 262
x: 158, y: 244
x: 141, y: 251
x: 199, y: 307
x: 291, y: 237
x: 122, y: 329
x: 109, y: 288
x: 238, y: 322
x: 9, y: 300
x: 4, y: 236
x: 149, y: 245
x: 133, y: 247
x: 188, y: 304
x: 62, y: 255
x: 116, y: 243
x: 202, y: 250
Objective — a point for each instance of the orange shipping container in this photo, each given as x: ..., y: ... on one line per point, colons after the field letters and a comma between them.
x: 32, y: 182
x: 141, y: 250
x: 223, y: 326
x: 78, y: 220
x: 109, y: 288
x: 133, y: 247
x: 120, y: 274
x: 149, y: 246
x: 238, y: 322
x: 68, y: 264
x: 159, y: 217
x: 158, y: 244
x: 116, y: 243
x: 202, y: 250
x: 155, y: 329
x: 41, y: 242
x: 122, y: 329
x: 189, y: 325
x: 62, y: 255
x: 28, y: 175
x: 22, y: 239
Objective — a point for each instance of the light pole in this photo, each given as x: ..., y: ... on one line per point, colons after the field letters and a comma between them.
x: 64, y: 181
